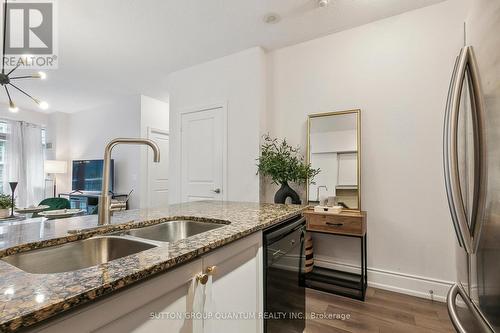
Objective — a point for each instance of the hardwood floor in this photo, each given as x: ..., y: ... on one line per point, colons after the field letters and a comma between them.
x: 382, y: 312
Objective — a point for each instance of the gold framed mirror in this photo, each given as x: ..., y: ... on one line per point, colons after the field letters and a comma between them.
x: 334, y: 146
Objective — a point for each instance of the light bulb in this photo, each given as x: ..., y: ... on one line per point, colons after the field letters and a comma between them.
x: 43, y: 105
x: 12, y: 107
x: 42, y: 75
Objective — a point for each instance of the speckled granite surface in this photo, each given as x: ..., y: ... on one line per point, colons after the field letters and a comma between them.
x: 26, y: 299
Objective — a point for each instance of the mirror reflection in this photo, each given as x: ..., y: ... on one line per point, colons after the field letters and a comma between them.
x: 334, y: 149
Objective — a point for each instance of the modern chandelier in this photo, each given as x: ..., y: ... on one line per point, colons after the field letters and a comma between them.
x: 6, y: 78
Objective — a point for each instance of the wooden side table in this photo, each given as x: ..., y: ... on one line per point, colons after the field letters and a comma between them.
x: 347, y: 224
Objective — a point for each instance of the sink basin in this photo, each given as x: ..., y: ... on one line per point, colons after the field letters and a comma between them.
x: 172, y: 231
x: 76, y: 255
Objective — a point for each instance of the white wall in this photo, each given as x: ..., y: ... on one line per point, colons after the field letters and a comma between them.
x: 30, y: 116
x: 84, y: 134
x: 57, y: 138
x: 154, y: 114
x: 397, y: 72
x: 238, y: 81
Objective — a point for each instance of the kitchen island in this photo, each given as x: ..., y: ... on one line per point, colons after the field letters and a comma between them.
x: 28, y: 299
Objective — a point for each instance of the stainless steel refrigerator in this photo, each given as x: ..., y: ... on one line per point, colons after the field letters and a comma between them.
x: 472, y: 171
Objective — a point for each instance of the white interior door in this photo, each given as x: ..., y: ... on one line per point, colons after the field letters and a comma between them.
x: 202, y: 154
x: 158, y: 172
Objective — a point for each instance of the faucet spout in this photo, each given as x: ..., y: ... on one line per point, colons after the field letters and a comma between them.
x: 317, y: 191
x: 104, y: 216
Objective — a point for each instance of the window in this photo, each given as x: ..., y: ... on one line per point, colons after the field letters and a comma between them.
x: 4, y: 128
x: 44, y: 137
x: 3, y: 136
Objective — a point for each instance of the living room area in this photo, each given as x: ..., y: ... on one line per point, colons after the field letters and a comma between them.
x: 56, y: 158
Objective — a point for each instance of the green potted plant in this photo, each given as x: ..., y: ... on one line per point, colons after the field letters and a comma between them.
x: 5, y: 205
x: 283, y: 164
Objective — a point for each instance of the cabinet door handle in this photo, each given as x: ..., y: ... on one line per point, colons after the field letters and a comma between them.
x: 202, y: 278
x: 211, y: 270
x: 217, y: 190
x: 334, y: 224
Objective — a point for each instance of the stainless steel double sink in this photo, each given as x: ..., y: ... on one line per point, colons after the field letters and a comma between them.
x: 101, y: 249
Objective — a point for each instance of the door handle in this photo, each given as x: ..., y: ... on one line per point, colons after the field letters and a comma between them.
x: 450, y: 153
x: 202, y: 278
x: 452, y: 310
x: 446, y: 144
x: 480, y: 174
x: 465, y: 66
x: 217, y: 190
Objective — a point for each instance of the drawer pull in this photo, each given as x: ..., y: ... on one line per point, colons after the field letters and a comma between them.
x: 334, y: 224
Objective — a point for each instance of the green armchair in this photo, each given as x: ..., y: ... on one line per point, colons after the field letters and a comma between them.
x: 54, y: 204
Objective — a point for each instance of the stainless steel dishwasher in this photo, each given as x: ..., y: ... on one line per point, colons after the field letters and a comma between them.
x: 284, y: 291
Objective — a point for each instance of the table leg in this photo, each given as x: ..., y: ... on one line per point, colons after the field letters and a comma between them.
x: 363, y: 271
x: 366, y: 262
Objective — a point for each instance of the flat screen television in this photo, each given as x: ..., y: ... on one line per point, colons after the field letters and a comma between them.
x: 87, y: 175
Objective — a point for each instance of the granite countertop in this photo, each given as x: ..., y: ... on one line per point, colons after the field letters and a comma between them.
x: 26, y: 299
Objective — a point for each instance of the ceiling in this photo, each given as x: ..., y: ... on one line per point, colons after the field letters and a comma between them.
x: 113, y: 48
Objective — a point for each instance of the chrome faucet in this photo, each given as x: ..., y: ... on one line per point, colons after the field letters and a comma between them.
x: 105, y: 204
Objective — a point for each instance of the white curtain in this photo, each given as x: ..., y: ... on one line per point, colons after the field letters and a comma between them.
x: 24, y: 158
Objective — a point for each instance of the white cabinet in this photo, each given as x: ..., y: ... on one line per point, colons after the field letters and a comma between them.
x: 130, y: 309
x: 235, y: 287
x: 161, y: 303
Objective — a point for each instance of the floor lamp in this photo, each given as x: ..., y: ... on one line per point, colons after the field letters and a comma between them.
x: 53, y: 167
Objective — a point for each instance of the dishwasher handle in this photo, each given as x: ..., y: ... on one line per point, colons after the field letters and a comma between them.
x: 283, y: 230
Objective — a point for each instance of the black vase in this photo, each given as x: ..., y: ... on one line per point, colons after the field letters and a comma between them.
x: 286, y: 192
x: 13, y: 186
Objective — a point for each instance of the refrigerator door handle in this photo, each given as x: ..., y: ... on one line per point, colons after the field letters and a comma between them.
x: 480, y: 162
x: 452, y: 311
x: 466, y: 67
x: 446, y: 155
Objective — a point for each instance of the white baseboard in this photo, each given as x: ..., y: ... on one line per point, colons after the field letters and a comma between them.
x: 403, y: 283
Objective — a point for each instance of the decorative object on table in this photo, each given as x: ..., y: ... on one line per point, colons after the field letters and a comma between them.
x: 283, y: 164
x: 61, y: 213
x: 54, y: 168
x: 328, y: 210
x: 6, y: 78
x: 323, y: 197
x: 31, y: 210
x: 13, y: 186
x: 5, y: 205
x: 309, y: 253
